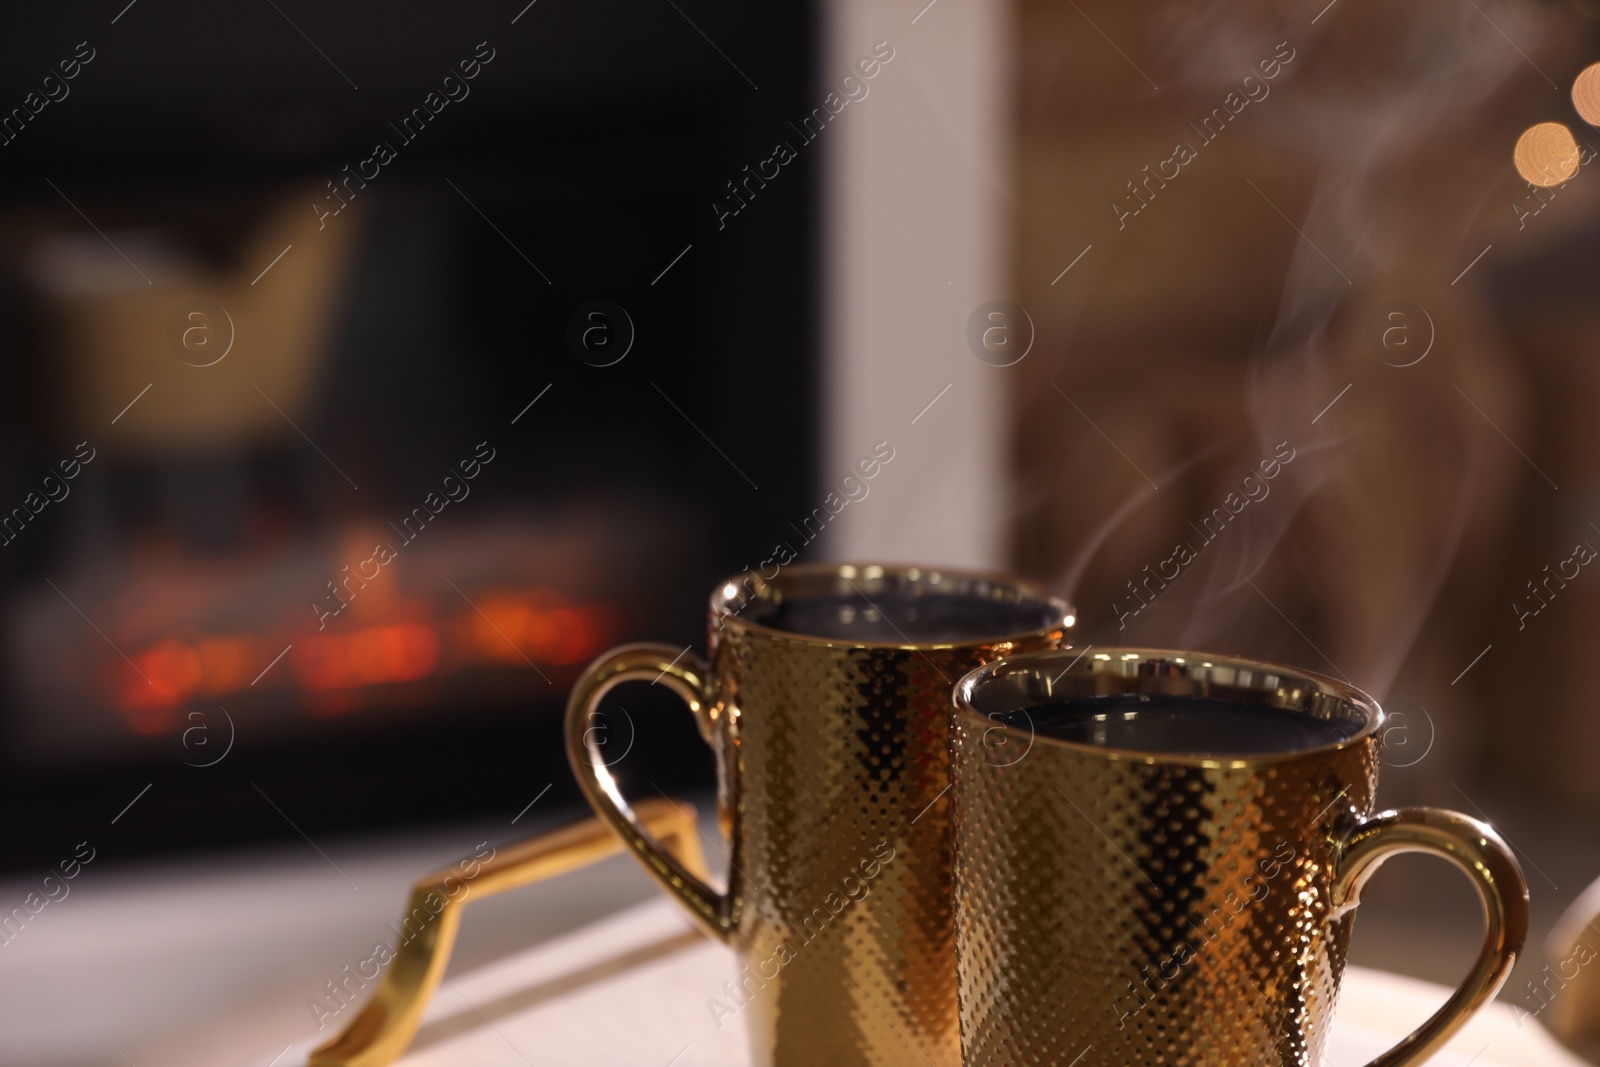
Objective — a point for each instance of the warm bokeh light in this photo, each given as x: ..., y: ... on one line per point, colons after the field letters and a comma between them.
x: 499, y: 625
x: 393, y: 653
x: 1586, y: 94
x: 1546, y: 154
x: 370, y: 656
x: 507, y: 627
x: 568, y: 636
x: 163, y: 676
x: 510, y: 626
x: 225, y: 663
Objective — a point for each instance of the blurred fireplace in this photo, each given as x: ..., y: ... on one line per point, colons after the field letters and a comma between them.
x: 342, y: 493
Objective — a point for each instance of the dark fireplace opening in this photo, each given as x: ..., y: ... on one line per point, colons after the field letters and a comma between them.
x: 348, y: 424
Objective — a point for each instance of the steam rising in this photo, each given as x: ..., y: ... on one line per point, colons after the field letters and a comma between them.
x: 1337, y: 568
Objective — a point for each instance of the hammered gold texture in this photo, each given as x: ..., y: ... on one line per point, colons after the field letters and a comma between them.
x: 1071, y: 922
x: 843, y: 754
x: 1114, y: 907
x: 834, y: 786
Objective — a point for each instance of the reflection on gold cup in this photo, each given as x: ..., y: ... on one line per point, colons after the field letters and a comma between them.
x: 826, y: 700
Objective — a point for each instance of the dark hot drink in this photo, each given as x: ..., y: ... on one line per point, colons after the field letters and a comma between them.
x: 1176, y: 726
x: 898, y: 618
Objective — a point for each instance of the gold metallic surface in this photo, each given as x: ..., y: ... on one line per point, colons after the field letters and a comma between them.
x: 1117, y: 908
x: 384, y: 1028
x: 833, y: 765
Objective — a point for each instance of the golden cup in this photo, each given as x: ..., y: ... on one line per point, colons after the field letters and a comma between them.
x: 826, y: 700
x: 1187, y: 899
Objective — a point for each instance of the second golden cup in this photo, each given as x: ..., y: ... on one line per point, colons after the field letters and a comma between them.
x: 1159, y: 857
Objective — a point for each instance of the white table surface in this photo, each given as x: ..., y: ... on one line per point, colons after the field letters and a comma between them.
x: 212, y: 960
x: 633, y: 988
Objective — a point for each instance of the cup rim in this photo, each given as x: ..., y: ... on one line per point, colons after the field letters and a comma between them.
x: 725, y: 602
x: 1210, y: 664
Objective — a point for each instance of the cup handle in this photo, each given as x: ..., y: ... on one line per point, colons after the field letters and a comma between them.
x: 1479, y: 851
x: 686, y: 675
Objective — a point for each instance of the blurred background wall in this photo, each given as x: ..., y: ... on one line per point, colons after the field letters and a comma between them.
x: 1347, y: 262
x: 1250, y: 231
x: 915, y: 238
